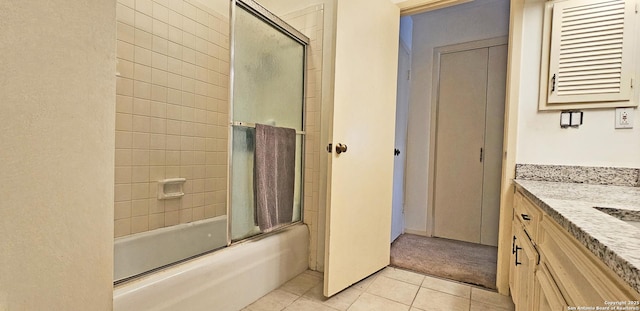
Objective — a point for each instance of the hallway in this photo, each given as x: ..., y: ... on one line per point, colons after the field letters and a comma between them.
x: 390, y: 289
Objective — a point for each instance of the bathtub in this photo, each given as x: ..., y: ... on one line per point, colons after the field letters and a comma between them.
x: 145, y: 251
x: 228, y: 279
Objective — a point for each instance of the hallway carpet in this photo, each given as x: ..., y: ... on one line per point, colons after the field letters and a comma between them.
x: 455, y: 260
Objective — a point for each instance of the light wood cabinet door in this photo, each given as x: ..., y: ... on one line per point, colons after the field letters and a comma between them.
x: 546, y: 296
x: 524, y: 260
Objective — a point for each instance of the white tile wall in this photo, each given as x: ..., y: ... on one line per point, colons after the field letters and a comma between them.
x: 310, y: 22
x: 172, y: 86
x: 172, y: 113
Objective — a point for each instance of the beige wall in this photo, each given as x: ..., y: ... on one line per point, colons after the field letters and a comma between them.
x: 481, y: 19
x: 171, y: 112
x: 57, y: 94
x: 540, y: 138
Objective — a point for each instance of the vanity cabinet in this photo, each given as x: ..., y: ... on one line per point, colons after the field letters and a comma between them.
x: 546, y: 295
x: 582, y: 278
x: 523, y: 262
x: 551, y: 270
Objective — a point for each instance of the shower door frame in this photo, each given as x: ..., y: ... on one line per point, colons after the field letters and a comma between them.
x: 276, y: 22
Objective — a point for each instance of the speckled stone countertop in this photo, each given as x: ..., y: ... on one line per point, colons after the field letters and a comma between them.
x: 614, y: 176
x: 572, y: 205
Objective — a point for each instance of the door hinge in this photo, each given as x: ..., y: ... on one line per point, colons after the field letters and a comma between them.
x: 409, y: 74
x: 631, y: 82
x: 636, y: 8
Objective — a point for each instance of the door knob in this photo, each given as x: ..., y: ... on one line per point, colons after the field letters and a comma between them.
x: 340, y: 148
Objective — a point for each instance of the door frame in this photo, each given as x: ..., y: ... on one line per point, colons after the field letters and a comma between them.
x: 435, y: 95
x: 514, y: 68
x: 509, y: 144
x: 402, y: 48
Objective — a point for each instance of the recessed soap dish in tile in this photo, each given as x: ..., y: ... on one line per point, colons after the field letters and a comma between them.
x: 171, y: 188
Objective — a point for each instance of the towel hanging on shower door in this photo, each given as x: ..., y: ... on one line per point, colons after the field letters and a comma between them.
x: 274, y: 176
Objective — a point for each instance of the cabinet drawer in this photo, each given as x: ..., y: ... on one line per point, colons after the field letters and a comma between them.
x: 581, y: 277
x: 528, y: 214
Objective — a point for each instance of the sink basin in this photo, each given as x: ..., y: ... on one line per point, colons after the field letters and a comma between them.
x: 634, y: 223
x: 629, y: 216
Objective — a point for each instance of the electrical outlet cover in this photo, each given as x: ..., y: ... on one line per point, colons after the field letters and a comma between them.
x: 624, y: 118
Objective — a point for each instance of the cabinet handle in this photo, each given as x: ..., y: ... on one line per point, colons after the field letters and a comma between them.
x: 513, y: 245
x: 525, y: 217
x: 517, y: 249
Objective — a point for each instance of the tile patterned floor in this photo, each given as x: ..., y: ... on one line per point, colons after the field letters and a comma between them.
x: 390, y: 289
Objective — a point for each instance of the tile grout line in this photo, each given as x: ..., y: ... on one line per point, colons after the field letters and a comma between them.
x: 415, y: 296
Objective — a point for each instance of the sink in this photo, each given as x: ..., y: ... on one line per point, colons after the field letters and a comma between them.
x: 629, y: 216
x: 634, y: 223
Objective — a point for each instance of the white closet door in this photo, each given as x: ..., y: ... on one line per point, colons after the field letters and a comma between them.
x: 494, y: 132
x: 459, y: 140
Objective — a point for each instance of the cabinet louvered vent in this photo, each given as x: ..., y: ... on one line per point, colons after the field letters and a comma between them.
x: 590, y: 49
x: 590, y: 46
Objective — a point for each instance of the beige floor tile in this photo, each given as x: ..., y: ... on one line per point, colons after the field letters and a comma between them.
x: 403, y: 275
x: 341, y: 301
x: 317, y: 274
x: 369, y: 302
x: 364, y: 284
x: 431, y: 300
x: 303, y: 304
x: 273, y: 301
x: 449, y: 287
x: 479, y: 306
x: 301, y: 284
x: 393, y: 289
x: 492, y: 298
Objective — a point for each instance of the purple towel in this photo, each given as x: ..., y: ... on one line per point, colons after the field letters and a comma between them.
x: 274, y: 176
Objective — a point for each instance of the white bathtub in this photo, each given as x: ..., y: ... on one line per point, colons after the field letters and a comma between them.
x: 145, y: 251
x: 228, y: 279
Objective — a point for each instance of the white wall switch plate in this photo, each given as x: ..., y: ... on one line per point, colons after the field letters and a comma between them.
x: 624, y: 118
x: 576, y: 118
x: 565, y: 119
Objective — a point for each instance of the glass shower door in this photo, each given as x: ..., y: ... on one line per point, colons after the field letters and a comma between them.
x: 268, y: 66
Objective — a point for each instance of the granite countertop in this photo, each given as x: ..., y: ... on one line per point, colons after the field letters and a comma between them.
x: 572, y: 205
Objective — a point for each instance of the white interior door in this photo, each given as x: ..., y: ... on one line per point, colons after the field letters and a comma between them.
x: 361, y: 179
x: 402, y: 110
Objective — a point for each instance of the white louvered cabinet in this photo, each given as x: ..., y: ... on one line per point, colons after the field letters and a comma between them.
x: 588, y: 54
